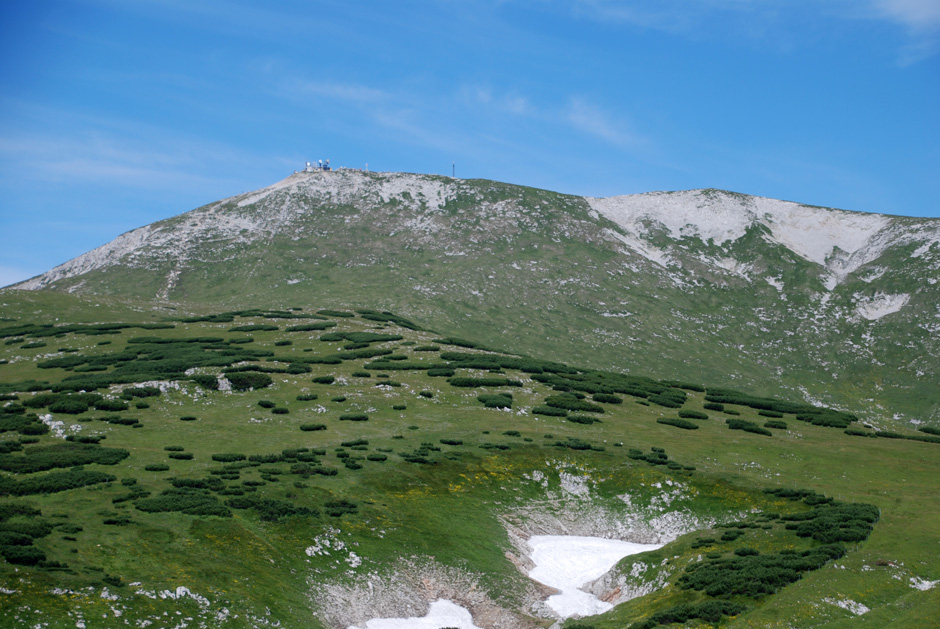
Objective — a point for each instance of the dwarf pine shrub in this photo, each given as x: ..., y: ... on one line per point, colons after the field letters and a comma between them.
x: 354, y: 417
x: 678, y: 423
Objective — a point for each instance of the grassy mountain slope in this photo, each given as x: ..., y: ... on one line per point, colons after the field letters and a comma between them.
x: 762, y: 295
x: 431, y: 496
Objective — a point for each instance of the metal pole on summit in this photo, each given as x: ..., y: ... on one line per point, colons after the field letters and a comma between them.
x: 453, y: 170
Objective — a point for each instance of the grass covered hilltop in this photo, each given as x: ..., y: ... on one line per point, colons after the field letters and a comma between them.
x: 317, y: 468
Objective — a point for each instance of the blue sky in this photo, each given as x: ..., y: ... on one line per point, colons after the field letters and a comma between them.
x: 114, y: 114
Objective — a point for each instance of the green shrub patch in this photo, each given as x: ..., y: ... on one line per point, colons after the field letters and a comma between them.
x: 67, y: 454
x: 53, y: 482
x: 498, y: 400
x: 360, y: 337
x: 141, y: 392
x: 337, y: 508
x: 387, y: 317
x: 678, y: 423
x: 354, y: 417
x: 188, y: 500
x: 670, y: 398
x: 243, y: 381
x: 254, y: 327
x: 587, y: 420
x: 687, y: 414
x: 775, y: 423
x: 549, y: 411
x: 573, y: 443
x: 228, y: 457
x: 271, y: 510
x: 747, y: 426
x: 311, y: 327
x: 572, y: 403
x: 483, y: 382
x: 312, y: 427
x: 756, y: 575
x: 441, y: 373
x: 713, y: 611
x: 336, y: 313
x: 111, y: 405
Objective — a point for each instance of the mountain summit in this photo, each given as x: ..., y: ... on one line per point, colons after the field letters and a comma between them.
x: 721, y: 287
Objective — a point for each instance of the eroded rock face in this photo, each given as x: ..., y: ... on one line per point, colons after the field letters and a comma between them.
x: 408, y: 592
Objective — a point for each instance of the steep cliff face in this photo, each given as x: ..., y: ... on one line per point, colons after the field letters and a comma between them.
x: 725, y: 288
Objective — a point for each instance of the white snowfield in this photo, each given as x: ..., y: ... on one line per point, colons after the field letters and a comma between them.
x: 442, y: 613
x: 566, y: 562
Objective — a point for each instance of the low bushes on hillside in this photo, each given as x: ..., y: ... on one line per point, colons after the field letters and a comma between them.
x: 228, y: 457
x: 67, y: 454
x: 678, y: 423
x: 271, y: 510
x: 586, y: 420
x: 549, y: 411
x: 747, y: 426
x: 311, y: 327
x: 354, y: 417
x: 468, y: 382
x: 243, y: 381
x: 572, y: 403
x: 53, y: 482
x: 708, y: 611
x: 498, y: 400
x: 254, y: 327
x: 188, y: 500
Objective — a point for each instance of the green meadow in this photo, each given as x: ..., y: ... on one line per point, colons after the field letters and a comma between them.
x: 267, y: 467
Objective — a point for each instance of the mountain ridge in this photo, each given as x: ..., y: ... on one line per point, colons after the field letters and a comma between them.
x: 628, y: 211
x: 720, y: 286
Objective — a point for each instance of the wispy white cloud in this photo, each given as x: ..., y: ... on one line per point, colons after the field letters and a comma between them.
x: 509, y: 102
x: 349, y: 92
x: 50, y: 145
x: 590, y: 119
x: 918, y: 15
x: 767, y: 21
x: 921, y: 19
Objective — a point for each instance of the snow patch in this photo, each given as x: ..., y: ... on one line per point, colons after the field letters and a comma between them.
x: 567, y: 562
